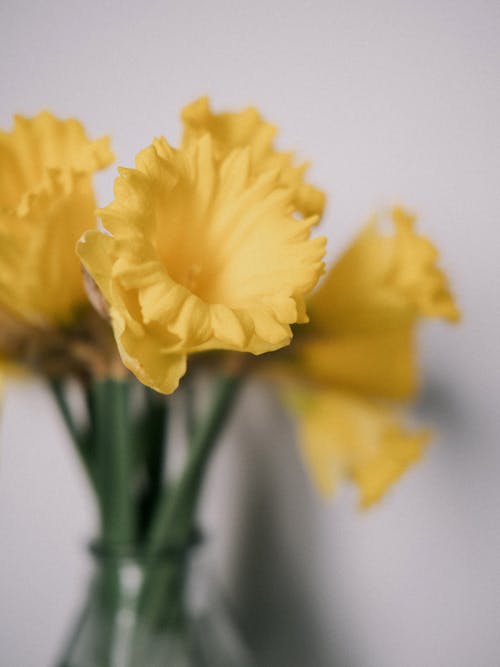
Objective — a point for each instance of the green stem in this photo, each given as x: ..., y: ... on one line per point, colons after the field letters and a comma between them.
x: 110, y: 410
x: 174, y: 522
x: 189, y: 407
x: 113, y: 440
x: 154, y: 426
x: 81, y: 437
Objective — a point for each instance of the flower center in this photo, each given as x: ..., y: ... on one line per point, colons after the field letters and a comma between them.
x: 191, y: 278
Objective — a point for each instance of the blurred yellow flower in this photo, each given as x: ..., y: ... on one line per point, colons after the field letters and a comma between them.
x: 46, y: 202
x: 358, y: 353
x: 203, y: 253
x: 247, y: 129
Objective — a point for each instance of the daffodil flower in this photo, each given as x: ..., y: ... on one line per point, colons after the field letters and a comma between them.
x: 344, y: 372
x: 46, y: 202
x: 201, y: 252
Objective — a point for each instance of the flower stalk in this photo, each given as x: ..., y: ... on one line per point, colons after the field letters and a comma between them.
x: 174, y: 524
x: 79, y: 436
x: 115, y: 449
x: 173, y: 521
x: 152, y: 431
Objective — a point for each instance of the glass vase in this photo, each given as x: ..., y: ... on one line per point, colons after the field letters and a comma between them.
x: 167, y: 613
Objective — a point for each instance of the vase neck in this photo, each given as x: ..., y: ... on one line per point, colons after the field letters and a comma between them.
x: 155, y: 587
x: 150, y: 612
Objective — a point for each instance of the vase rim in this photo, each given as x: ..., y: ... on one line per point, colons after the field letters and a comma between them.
x: 102, y: 550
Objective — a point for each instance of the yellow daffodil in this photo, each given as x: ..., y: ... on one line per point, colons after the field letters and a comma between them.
x: 46, y: 202
x: 203, y: 252
x: 247, y: 129
x: 358, y: 353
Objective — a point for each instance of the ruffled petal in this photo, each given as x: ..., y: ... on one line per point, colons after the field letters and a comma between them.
x: 144, y: 356
x: 40, y: 275
x: 416, y: 275
x: 45, y: 142
x: 346, y: 437
x: 247, y: 129
x: 383, y: 282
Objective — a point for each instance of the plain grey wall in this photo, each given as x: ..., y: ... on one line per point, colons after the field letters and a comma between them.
x: 392, y: 101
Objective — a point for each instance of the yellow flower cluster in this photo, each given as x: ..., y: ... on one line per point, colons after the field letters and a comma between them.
x: 209, y: 247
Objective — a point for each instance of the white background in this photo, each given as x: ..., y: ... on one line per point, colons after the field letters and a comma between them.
x: 392, y: 101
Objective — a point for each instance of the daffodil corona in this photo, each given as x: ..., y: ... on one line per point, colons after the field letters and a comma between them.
x: 202, y: 252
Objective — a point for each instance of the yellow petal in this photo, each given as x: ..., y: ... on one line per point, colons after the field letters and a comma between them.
x: 99, y: 249
x: 247, y: 129
x: 382, y: 364
x: 345, y: 437
x: 382, y: 282
x: 363, y: 315
x: 144, y: 356
x: 416, y: 275
x: 45, y: 142
x: 40, y: 275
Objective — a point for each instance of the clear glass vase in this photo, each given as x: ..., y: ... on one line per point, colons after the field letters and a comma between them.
x: 154, y: 614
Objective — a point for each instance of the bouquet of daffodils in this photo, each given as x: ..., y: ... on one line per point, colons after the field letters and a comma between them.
x: 206, y: 263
